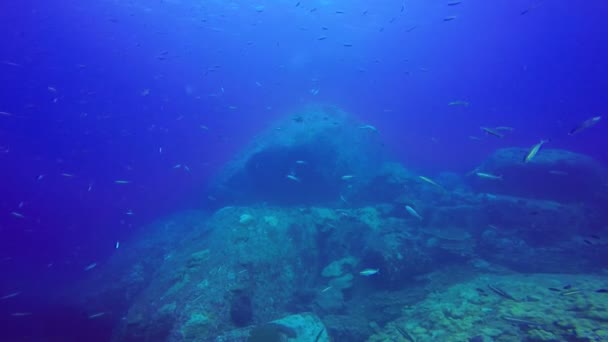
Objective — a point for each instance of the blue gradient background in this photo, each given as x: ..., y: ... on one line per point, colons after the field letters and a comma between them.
x: 541, y: 73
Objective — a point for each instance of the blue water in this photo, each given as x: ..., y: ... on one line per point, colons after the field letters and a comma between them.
x: 162, y: 93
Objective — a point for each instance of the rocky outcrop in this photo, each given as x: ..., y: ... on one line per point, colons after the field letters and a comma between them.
x: 314, y: 156
x: 557, y: 175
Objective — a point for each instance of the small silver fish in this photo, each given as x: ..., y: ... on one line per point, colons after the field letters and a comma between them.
x: 534, y: 151
x: 347, y: 177
x: 370, y: 127
x: 21, y: 314
x: 369, y: 272
x: 99, y: 314
x: 459, y: 103
x: 413, y: 212
x: 488, y: 176
x: 430, y: 181
x: 558, y: 172
x: 293, y: 178
x: 120, y: 181
x: 91, y: 266
x: 10, y: 295
x: 585, y: 124
x: 492, y: 132
x: 16, y: 214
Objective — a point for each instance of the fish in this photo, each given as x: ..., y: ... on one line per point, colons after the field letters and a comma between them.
x: 21, y: 314
x: 9, y: 63
x: 601, y: 291
x: 301, y: 162
x: 534, y: 151
x: 588, y: 242
x: 326, y: 289
x: 99, y: 314
x: 67, y: 175
x: 347, y: 177
x: 459, y: 103
x: 293, y: 178
x: 18, y: 215
x: 493, y: 132
x: 121, y: 181
x: 322, y: 38
x: 10, y: 295
x: 5, y: 113
x: 558, y: 172
x: 413, y: 212
x: 504, y: 128
x: 90, y: 267
x: 430, y: 181
x: 521, y: 321
x: 488, y: 176
x: 117, y: 244
x: 501, y: 292
x: 369, y: 272
x: 347, y: 45
x: 454, y: 3
x: 569, y: 293
x: 595, y: 237
x: 450, y: 18
x: 370, y: 127
x: 554, y: 289
x: 585, y: 124
x: 567, y: 287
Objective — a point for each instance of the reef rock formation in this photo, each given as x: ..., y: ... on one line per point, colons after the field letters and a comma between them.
x: 558, y: 175
x: 313, y: 156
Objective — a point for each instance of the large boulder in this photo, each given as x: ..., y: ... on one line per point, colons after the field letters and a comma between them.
x: 313, y: 156
x: 554, y: 174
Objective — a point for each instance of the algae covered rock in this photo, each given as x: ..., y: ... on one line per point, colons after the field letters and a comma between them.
x: 305, y: 327
x: 554, y: 174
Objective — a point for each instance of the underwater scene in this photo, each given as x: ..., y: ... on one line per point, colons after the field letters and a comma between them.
x: 304, y: 171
